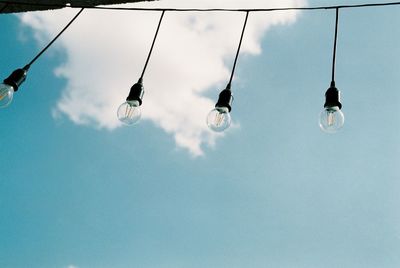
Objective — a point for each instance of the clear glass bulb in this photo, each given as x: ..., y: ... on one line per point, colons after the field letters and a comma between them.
x: 219, y: 119
x: 331, y: 119
x: 6, y: 95
x: 129, y: 112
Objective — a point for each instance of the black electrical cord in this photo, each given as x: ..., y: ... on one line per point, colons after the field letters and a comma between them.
x: 152, y: 45
x: 238, y: 50
x: 335, y: 45
x: 52, y: 41
x: 205, y: 9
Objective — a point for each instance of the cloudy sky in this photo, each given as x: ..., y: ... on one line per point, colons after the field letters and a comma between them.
x: 78, y: 190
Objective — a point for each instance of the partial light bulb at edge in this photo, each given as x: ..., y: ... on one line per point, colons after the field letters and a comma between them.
x: 6, y: 95
x: 331, y: 119
x: 219, y: 119
x: 129, y: 112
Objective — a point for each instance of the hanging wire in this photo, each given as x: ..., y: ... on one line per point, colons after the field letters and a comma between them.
x: 152, y: 45
x: 52, y: 41
x: 238, y: 49
x: 335, y: 45
x: 205, y: 9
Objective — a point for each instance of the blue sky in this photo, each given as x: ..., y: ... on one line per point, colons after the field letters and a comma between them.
x: 273, y: 192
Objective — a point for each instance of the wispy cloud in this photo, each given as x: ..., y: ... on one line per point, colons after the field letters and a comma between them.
x: 105, y: 51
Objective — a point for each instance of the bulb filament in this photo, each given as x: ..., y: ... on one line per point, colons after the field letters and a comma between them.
x: 219, y: 118
x: 129, y: 111
x: 331, y: 118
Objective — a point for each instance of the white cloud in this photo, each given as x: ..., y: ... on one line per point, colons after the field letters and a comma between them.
x: 72, y: 266
x: 106, y: 51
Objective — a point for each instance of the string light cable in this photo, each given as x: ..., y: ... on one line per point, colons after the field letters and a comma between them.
x: 331, y: 118
x: 129, y: 112
x: 68, y: 5
x: 17, y: 77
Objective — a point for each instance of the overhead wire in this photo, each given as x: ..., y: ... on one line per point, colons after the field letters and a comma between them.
x: 365, y: 5
x: 54, y: 39
x: 238, y: 50
x: 152, y: 44
x: 335, y: 45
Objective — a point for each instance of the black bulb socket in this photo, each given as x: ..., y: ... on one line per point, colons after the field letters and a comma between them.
x: 16, y: 78
x: 332, y: 97
x: 225, y: 99
x: 136, y: 93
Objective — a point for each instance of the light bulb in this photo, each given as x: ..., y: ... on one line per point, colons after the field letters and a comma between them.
x: 6, y: 95
x: 129, y: 112
x: 219, y: 119
x: 331, y: 119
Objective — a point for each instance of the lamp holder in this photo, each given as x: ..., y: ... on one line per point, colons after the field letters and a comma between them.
x: 136, y: 93
x: 332, y: 97
x: 225, y: 99
x: 16, y: 78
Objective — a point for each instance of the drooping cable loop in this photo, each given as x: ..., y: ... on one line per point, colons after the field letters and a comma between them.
x: 335, y: 45
x: 238, y: 50
x: 52, y: 41
x: 152, y: 45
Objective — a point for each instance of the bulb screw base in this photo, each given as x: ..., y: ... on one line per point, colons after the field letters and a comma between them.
x: 225, y: 99
x: 332, y: 97
x: 16, y: 78
x: 136, y: 93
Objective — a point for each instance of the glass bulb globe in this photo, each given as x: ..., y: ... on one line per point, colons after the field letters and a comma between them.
x: 219, y: 119
x: 6, y: 95
x: 129, y: 112
x: 331, y: 119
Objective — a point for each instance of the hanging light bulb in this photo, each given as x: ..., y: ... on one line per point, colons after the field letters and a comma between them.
x: 219, y: 118
x: 6, y: 95
x: 129, y: 112
x: 331, y: 118
x: 10, y: 85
